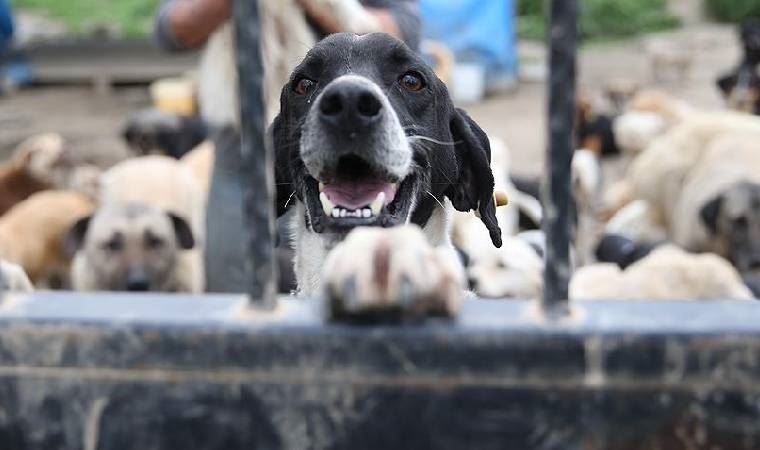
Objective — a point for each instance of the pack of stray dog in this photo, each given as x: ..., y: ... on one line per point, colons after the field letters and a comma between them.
x: 394, y: 194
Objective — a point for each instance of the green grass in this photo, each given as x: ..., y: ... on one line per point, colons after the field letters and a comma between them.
x: 602, y: 19
x: 131, y: 17
x: 733, y: 10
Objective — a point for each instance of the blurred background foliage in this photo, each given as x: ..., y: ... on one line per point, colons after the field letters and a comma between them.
x: 732, y: 10
x: 127, y: 17
x: 601, y: 19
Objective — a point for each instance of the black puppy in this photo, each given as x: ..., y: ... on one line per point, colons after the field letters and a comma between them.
x: 741, y: 87
x: 620, y: 250
x: 594, y: 131
x: 152, y: 131
x: 368, y: 136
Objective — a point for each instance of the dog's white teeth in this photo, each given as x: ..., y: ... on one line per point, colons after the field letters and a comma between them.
x: 377, y: 205
x: 321, y: 186
x: 327, y: 205
x: 337, y: 212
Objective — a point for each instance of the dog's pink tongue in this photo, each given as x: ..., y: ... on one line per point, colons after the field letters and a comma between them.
x: 358, y: 194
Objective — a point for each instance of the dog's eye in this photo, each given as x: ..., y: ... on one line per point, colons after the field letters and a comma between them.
x: 153, y: 242
x: 412, y: 81
x: 304, y: 85
x: 740, y: 222
x: 112, y: 245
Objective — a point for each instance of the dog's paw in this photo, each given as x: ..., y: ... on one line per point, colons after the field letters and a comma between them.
x: 13, y: 278
x: 393, y: 273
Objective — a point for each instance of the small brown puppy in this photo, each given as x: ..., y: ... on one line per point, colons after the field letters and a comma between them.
x: 32, y: 169
x: 31, y: 233
x: 131, y: 247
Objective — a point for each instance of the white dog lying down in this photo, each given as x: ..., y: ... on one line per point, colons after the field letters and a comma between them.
x: 700, y: 184
x: 666, y: 273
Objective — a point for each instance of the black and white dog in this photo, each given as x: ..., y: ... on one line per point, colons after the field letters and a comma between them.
x: 367, y: 136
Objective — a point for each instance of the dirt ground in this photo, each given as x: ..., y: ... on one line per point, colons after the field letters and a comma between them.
x: 92, y: 122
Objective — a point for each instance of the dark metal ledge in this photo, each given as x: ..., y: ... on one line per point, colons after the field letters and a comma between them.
x: 178, y: 372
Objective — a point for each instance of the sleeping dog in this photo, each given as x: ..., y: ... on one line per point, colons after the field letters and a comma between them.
x: 367, y: 136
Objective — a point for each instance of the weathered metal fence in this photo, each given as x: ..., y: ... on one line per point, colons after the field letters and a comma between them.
x: 145, y: 372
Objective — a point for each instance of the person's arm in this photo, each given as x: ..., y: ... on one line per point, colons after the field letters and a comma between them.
x: 186, y: 24
x: 399, y: 18
x: 386, y: 20
x: 324, y: 18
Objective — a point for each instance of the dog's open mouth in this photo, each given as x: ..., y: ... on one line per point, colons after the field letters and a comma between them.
x: 357, y: 199
x: 358, y: 194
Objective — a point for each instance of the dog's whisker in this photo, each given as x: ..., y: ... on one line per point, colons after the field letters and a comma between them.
x: 289, y: 198
x: 434, y: 141
x: 435, y: 198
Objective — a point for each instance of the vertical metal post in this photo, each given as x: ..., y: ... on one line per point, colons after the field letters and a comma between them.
x: 562, y: 34
x: 258, y: 158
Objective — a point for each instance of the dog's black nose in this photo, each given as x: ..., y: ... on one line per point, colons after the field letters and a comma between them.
x: 137, y: 281
x: 349, y: 105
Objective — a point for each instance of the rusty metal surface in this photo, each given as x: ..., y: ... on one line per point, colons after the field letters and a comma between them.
x: 121, y: 371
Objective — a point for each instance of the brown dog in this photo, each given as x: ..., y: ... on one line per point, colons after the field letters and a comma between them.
x: 30, y: 170
x: 32, y: 231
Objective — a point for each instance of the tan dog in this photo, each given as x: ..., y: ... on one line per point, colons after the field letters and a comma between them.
x: 666, y: 273
x: 156, y: 180
x: 718, y: 208
x: 30, y: 170
x: 657, y: 174
x: 170, y: 186
x: 200, y: 161
x: 32, y: 231
x: 131, y: 247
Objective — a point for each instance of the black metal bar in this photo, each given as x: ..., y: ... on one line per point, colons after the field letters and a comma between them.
x: 258, y: 159
x: 562, y: 35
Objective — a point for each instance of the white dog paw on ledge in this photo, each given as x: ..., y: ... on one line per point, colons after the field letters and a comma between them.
x: 392, y: 273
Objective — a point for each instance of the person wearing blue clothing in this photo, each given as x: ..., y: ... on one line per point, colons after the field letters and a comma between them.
x: 6, y: 26
x: 188, y: 24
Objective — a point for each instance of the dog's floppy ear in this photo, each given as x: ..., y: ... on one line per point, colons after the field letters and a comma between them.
x: 710, y: 212
x: 473, y: 190
x: 182, y: 231
x: 74, y: 237
x: 283, y: 182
